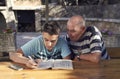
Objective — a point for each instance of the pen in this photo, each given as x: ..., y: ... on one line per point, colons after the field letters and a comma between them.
x: 35, y: 64
x: 30, y: 58
x: 78, y: 57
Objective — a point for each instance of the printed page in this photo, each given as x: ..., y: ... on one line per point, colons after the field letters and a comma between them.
x: 63, y: 64
x: 45, y: 64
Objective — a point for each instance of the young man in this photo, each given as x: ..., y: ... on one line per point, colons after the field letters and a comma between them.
x: 47, y: 46
x: 86, y: 42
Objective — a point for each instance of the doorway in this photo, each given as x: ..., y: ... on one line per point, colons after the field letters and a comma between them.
x: 26, y: 20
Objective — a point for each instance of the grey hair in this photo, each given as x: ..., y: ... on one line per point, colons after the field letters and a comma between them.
x: 80, y: 19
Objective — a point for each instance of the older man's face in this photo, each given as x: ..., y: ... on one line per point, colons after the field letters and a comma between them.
x: 75, y: 31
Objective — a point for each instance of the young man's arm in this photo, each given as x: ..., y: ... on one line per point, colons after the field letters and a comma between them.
x: 20, y: 58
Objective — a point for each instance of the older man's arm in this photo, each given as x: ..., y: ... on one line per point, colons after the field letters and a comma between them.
x: 93, y: 57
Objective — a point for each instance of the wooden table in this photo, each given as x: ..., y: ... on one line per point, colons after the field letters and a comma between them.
x: 107, y: 69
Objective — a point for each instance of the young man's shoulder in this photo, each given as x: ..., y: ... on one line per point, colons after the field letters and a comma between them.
x: 61, y: 39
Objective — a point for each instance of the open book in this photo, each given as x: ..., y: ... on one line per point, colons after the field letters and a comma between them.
x: 56, y: 64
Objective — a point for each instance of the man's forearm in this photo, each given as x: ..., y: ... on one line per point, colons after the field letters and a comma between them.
x: 16, y: 57
x: 90, y: 57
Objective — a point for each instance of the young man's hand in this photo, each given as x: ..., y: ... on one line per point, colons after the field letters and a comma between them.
x: 31, y: 64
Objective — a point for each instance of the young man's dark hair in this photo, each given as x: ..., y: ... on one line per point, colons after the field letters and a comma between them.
x: 51, y: 28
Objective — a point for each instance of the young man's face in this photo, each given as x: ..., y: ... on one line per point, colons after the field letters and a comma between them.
x: 49, y: 40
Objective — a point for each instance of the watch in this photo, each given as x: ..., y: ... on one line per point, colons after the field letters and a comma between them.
x: 78, y: 57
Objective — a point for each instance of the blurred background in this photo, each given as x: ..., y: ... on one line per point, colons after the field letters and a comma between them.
x: 26, y: 17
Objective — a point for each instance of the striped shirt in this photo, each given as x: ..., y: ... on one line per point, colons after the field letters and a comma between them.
x: 90, y: 42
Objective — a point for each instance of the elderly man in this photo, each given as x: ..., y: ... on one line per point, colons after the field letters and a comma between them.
x: 85, y: 42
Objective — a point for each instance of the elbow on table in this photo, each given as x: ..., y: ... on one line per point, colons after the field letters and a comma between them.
x: 95, y: 60
x: 91, y: 57
x: 96, y: 57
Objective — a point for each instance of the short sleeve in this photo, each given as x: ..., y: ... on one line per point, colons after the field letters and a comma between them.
x: 31, y: 47
x: 65, y: 51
